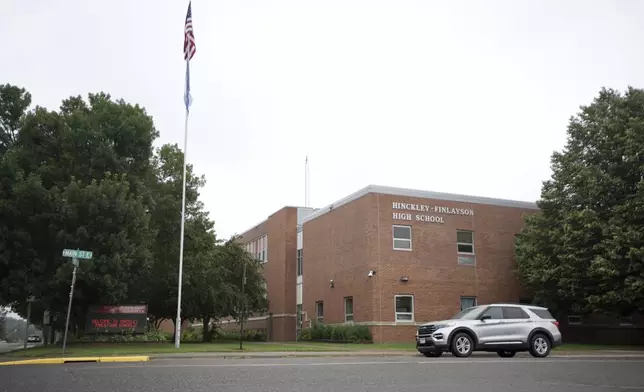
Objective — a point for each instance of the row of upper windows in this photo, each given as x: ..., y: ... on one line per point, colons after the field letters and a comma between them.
x: 404, y: 308
x: 258, y: 248
x: 464, y: 243
x: 402, y: 241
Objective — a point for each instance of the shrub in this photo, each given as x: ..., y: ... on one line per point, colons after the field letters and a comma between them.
x: 125, y: 337
x: 337, y: 333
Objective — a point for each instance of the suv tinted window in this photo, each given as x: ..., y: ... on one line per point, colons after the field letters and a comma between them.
x: 512, y: 312
x: 543, y: 313
x: 495, y: 312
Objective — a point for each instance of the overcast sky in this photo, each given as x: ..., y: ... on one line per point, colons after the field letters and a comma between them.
x: 453, y: 96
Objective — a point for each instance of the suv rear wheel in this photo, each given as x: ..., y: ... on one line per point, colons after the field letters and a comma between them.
x: 462, y: 345
x: 506, y: 354
x: 539, y: 345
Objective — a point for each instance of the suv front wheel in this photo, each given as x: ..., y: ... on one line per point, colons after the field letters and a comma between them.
x: 539, y: 345
x: 462, y: 345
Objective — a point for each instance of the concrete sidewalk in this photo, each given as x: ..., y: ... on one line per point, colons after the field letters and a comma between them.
x: 387, y: 353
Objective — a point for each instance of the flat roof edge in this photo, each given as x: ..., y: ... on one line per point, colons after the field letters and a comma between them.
x: 271, y: 214
x: 422, y: 194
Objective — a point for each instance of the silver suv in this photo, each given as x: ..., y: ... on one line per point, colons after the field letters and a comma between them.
x: 502, y: 328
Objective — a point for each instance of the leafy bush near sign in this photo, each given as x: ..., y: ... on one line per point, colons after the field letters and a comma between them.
x: 341, y: 333
x: 125, y: 337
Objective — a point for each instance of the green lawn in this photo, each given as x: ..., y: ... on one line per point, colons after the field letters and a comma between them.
x: 107, y: 349
x: 111, y: 349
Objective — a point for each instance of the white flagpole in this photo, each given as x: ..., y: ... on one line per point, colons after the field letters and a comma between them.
x: 177, y: 340
x: 306, y: 183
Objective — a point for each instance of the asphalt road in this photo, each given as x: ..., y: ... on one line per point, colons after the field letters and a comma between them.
x: 334, y: 374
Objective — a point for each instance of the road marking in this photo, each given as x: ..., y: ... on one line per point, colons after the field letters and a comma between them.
x: 353, y: 363
x: 574, y: 384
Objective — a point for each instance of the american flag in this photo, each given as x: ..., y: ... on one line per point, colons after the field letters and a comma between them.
x: 189, y: 47
x: 189, y: 50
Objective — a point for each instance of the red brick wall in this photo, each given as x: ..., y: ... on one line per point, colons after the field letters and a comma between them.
x: 347, y: 242
x: 341, y: 245
x: 279, y: 270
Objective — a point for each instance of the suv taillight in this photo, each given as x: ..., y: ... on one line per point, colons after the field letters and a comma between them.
x: 556, y: 323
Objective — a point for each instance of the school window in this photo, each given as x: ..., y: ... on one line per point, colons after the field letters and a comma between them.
x: 465, y: 247
x: 467, y: 302
x: 402, y: 237
x: 348, y: 309
x: 404, y: 308
x: 465, y: 241
x: 299, y: 261
x: 319, y: 312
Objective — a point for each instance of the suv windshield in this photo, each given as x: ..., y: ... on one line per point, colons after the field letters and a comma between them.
x: 468, y: 313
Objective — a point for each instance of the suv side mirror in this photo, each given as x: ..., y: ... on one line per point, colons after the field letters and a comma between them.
x: 483, y: 318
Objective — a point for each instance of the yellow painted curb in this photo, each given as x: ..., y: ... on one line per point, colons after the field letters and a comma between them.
x: 124, y: 359
x: 58, y: 361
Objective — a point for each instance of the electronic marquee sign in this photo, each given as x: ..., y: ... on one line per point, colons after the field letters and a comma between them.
x: 117, y: 319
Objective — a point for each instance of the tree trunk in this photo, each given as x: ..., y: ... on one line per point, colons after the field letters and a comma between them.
x: 206, y: 337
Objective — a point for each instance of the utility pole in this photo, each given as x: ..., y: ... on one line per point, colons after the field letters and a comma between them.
x: 243, y: 308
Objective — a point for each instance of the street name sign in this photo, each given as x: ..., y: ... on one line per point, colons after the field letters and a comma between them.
x: 77, y: 254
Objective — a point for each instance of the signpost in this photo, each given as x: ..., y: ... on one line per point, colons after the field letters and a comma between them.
x: 75, y: 255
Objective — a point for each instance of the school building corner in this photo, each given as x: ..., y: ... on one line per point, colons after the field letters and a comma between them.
x: 389, y: 258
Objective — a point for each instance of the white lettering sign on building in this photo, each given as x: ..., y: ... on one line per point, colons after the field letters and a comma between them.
x: 436, y: 209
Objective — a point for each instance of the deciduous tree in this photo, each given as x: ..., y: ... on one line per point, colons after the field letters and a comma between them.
x: 585, y: 251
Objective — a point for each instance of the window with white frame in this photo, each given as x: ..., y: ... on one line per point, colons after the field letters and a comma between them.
x: 259, y: 248
x: 402, y: 237
x: 467, y: 302
x: 300, y: 253
x: 404, y: 307
x: 348, y: 309
x: 465, y: 241
x: 319, y: 312
x: 465, y: 247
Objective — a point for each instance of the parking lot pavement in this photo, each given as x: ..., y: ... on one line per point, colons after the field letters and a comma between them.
x: 337, y: 374
x: 7, y: 347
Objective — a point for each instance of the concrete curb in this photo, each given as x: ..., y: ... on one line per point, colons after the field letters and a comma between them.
x: 305, y: 354
x: 277, y: 354
x: 58, y: 361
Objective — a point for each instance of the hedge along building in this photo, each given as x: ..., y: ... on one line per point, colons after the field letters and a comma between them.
x: 393, y: 258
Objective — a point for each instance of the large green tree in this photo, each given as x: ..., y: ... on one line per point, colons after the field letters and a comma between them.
x: 86, y: 176
x: 14, y: 102
x: 74, y: 178
x: 585, y: 251
x: 166, y: 220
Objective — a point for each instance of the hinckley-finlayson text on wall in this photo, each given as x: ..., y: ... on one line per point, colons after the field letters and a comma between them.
x: 427, y: 208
